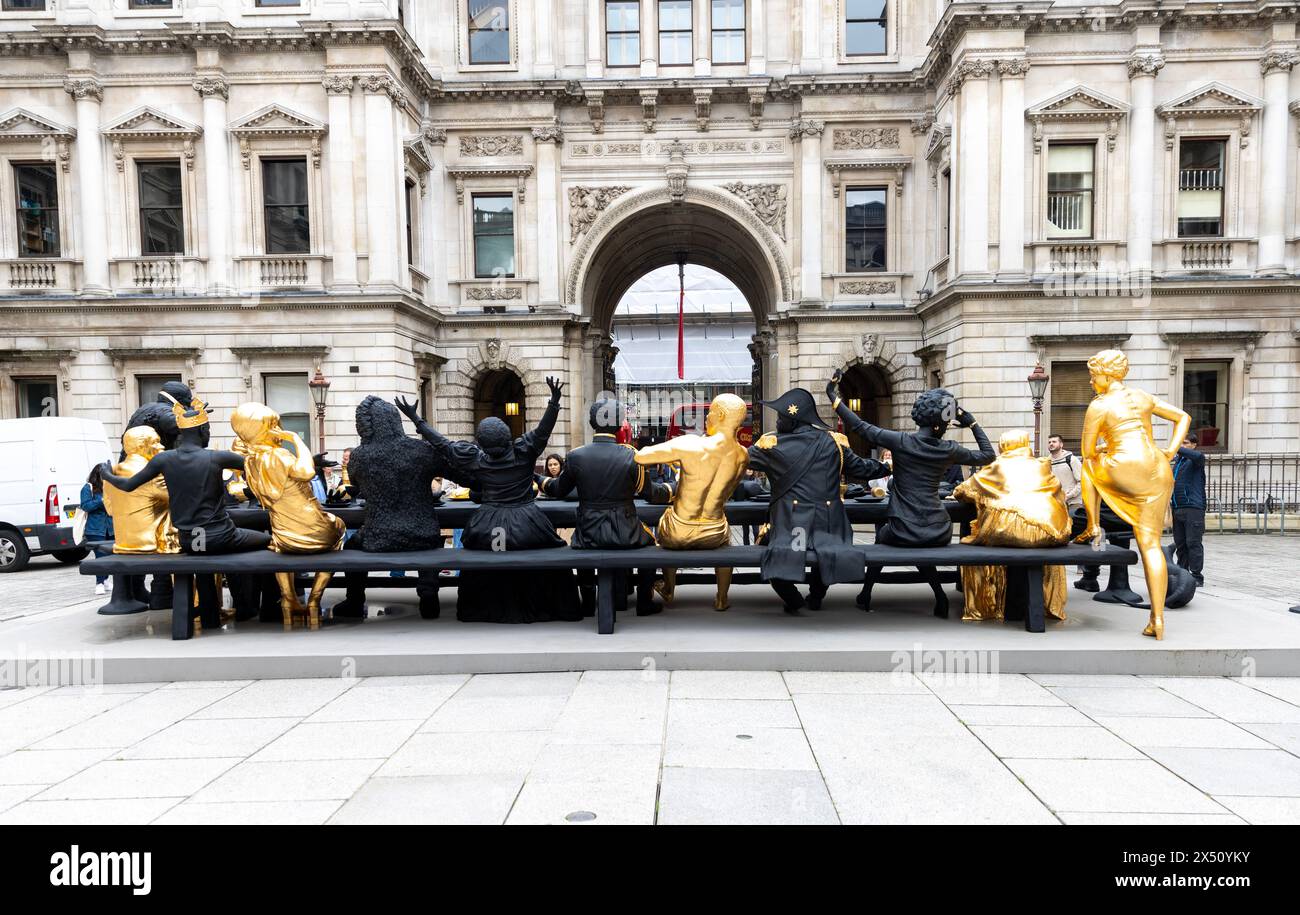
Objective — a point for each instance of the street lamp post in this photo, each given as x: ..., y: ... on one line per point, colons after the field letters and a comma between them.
x: 320, y: 388
x: 1038, y: 379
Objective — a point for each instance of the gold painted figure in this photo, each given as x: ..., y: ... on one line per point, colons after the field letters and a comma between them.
x: 1123, y: 465
x: 281, y: 480
x: 1020, y: 504
x: 142, y: 522
x: 711, y: 465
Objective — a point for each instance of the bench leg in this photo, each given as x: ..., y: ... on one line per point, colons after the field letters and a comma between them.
x: 940, y: 598
x: 183, y: 607
x: 1016, y: 603
x: 868, y: 582
x: 606, y: 582
x: 1034, y: 621
x: 124, y: 600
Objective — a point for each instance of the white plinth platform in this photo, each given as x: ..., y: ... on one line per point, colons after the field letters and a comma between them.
x: 1223, y: 633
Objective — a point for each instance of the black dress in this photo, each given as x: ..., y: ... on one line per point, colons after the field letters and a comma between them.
x: 921, y: 459
x: 508, y: 519
x: 805, y: 467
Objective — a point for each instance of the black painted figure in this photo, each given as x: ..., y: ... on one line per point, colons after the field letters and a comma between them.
x: 921, y: 459
x: 196, y: 493
x: 805, y: 462
x: 394, y: 475
x: 607, y: 479
x: 501, y: 471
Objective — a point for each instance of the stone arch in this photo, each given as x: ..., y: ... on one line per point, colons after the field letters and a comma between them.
x: 717, y: 229
x: 461, y: 378
x: 903, y: 374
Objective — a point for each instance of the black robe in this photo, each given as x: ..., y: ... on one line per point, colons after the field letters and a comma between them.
x: 921, y: 459
x: 805, y: 467
x: 607, y: 478
x: 508, y: 518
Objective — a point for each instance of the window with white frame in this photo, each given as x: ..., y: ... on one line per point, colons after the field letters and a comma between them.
x: 161, y: 206
x: 36, y: 186
x: 1201, y: 168
x: 285, y: 206
x: 489, y: 32
x: 675, y: 33
x: 865, y: 229
x: 1205, y: 399
x: 623, y: 33
x: 494, y: 235
x: 288, y: 395
x: 1070, y: 168
x: 865, y: 24
x: 727, y: 24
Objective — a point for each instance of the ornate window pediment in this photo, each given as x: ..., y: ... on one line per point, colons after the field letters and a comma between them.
x: 276, y: 122
x: 1214, y: 101
x: 417, y: 160
x: 1077, y: 104
x: 940, y: 137
x: 149, y: 124
x: 19, y: 125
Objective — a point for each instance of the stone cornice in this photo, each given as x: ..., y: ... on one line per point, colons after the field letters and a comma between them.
x: 1212, y: 336
x: 1042, y: 340
x: 38, y: 355
x: 122, y: 353
x: 253, y: 351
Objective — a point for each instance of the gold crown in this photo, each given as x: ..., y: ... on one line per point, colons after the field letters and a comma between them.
x: 195, y: 416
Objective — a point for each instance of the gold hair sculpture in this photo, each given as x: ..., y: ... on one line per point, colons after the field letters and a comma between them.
x: 1020, y: 504
x: 142, y: 521
x: 281, y: 480
x: 711, y: 464
x: 1123, y: 465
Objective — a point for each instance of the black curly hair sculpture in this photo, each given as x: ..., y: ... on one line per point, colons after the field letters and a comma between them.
x: 378, y: 421
x: 493, y: 436
x: 934, y: 408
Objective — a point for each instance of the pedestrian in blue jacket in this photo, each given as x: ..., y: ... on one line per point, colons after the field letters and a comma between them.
x: 1189, y: 508
x: 99, y: 524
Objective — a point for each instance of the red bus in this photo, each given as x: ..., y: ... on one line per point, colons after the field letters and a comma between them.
x: 689, y: 418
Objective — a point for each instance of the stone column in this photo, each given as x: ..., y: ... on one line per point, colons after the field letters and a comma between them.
x: 973, y: 166
x: 595, y: 38
x: 649, y: 38
x: 435, y: 143
x: 1011, y: 222
x: 213, y: 90
x: 920, y: 202
x: 381, y: 195
x: 1274, y: 152
x: 544, y: 60
x: 90, y: 186
x: 342, y: 187
x: 701, y: 38
x: 1142, y: 70
x: 548, y: 141
x: 757, y: 38
x: 807, y: 134
x: 810, y: 59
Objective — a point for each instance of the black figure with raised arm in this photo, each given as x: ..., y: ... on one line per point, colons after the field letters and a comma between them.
x: 805, y: 462
x: 501, y: 470
x: 196, y: 492
x: 608, y: 479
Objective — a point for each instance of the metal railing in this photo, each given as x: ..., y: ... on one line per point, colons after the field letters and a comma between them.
x: 1252, y: 493
x: 1200, y: 179
x: 1069, y: 210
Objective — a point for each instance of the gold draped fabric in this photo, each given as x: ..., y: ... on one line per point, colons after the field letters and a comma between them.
x: 298, y: 523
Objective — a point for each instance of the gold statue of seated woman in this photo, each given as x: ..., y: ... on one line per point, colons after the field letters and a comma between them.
x: 1123, y: 465
x: 280, y: 477
x: 1020, y: 504
x: 142, y: 521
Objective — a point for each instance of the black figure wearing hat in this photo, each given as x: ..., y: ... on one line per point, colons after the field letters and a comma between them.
x: 805, y: 462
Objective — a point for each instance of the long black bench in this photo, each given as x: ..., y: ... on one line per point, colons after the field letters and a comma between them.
x: 1025, y: 567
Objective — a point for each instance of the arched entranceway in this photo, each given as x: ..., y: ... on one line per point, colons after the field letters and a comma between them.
x: 866, y: 390
x: 648, y: 229
x: 500, y: 393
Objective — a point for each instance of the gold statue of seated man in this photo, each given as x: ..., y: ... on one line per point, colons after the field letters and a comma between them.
x: 142, y: 521
x: 280, y: 478
x: 1020, y: 503
x: 711, y: 465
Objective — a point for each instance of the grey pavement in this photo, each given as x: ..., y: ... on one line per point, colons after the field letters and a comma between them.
x: 646, y: 747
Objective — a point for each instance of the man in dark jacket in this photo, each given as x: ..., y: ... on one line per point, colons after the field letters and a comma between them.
x: 1189, y: 508
x: 608, y: 479
x: 805, y: 462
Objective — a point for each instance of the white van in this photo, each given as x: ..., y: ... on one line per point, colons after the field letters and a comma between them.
x: 44, y: 463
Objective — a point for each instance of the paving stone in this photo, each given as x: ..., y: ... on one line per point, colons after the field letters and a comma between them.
x: 1012, y: 742
x: 210, y: 737
x: 1229, y: 699
x: 850, y: 682
x: 695, y: 796
x: 440, y: 799
x: 1264, y: 811
x: 465, y: 753
x: 338, y: 740
x: 727, y: 684
x: 299, y: 780
x: 136, y: 778
x: 1144, y: 702
x: 262, y: 813
x: 1182, y: 732
x: 1110, y: 786
x: 1267, y: 773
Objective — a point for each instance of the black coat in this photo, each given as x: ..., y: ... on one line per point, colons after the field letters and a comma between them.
x: 921, y: 459
x: 607, y: 479
x: 807, y: 513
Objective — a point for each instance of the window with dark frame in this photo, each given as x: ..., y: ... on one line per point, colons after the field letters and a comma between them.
x: 22, y: 6
x: 285, y: 206
x: 261, y: 4
x: 727, y: 22
x: 1070, y: 189
x: 864, y: 229
x: 1201, y: 166
x: 623, y: 33
x: 37, y: 396
x: 947, y: 212
x: 37, y: 187
x: 1205, y: 398
x: 162, y: 211
x: 147, y: 387
x: 150, y: 4
x: 1071, y: 393
x: 675, y: 33
x: 410, y: 231
x: 494, y: 235
x: 489, y: 31
x: 864, y: 27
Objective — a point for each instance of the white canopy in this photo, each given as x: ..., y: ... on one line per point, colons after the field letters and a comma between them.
x: 647, y: 353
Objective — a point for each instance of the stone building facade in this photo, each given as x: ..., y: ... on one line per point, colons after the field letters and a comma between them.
x: 417, y: 195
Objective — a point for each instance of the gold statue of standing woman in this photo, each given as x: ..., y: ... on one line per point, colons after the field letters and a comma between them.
x: 1123, y: 465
